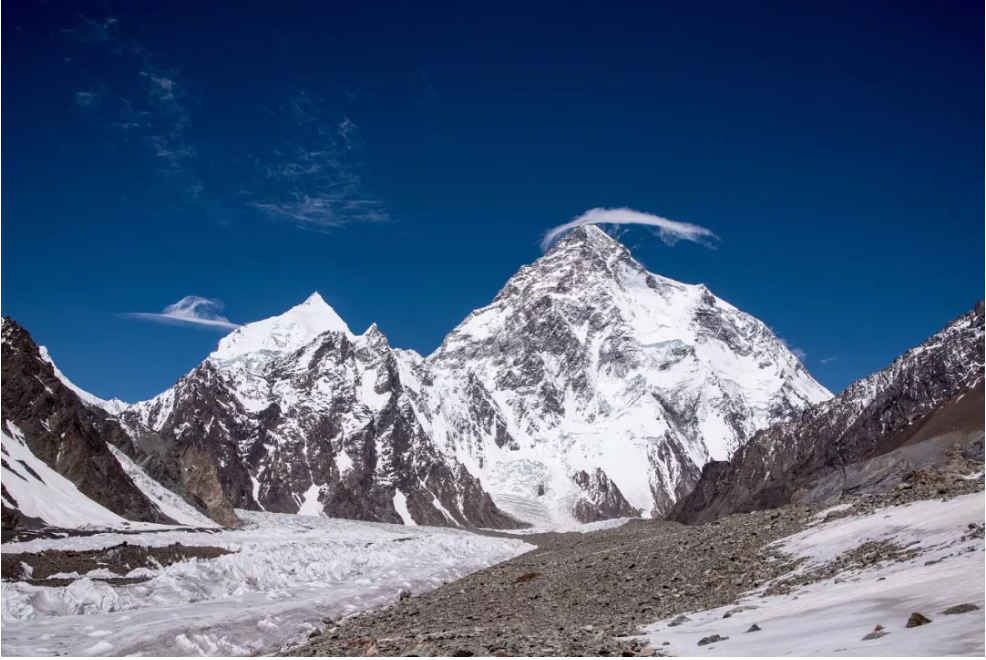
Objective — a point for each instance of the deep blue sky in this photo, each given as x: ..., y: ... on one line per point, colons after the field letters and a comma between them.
x: 405, y: 161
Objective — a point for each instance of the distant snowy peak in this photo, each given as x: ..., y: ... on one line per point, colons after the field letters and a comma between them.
x: 112, y: 406
x: 283, y: 334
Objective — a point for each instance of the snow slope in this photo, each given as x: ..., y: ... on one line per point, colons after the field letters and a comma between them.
x: 284, y: 333
x: 831, y: 617
x: 168, y: 502
x: 40, y: 492
x: 288, y: 572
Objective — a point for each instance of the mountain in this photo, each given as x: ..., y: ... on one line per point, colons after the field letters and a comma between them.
x: 931, y: 392
x: 303, y: 416
x: 588, y: 389
x: 592, y: 387
x: 46, y: 423
x: 108, y: 471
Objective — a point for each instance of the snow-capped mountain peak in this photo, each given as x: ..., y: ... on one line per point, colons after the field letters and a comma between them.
x: 608, y: 386
x: 588, y: 388
x: 285, y: 333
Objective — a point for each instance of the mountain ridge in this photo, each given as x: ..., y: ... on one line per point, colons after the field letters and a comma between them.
x: 781, y: 461
x: 303, y: 402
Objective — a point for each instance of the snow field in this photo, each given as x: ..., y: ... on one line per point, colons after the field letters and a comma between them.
x: 286, y: 574
x: 830, y: 619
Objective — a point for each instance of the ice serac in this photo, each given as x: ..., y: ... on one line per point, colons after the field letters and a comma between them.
x: 929, y: 396
x: 303, y: 416
x: 592, y: 388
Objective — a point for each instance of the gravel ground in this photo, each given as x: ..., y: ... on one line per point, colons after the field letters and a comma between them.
x: 583, y: 594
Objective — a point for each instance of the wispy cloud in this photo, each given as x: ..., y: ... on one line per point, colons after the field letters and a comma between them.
x: 87, y: 99
x: 308, y: 175
x: 165, y: 94
x: 312, y: 174
x: 797, y: 352
x: 190, y: 310
x: 669, y: 231
x: 152, y: 108
x: 835, y: 358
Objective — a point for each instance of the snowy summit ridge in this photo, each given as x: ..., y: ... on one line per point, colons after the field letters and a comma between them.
x: 285, y: 333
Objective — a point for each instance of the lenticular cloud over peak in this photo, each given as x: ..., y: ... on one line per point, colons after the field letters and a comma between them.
x: 190, y: 310
x: 669, y: 231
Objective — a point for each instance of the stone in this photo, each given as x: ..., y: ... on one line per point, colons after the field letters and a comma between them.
x: 917, y: 619
x: 711, y: 639
x: 678, y: 620
x: 737, y: 610
x: 876, y: 634
x: 754, y: 628
x: 405, y: 594
x: 961, y: 609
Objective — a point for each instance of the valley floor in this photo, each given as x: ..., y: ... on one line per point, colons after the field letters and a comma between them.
x: 283, y: 575
x: 815, y: 580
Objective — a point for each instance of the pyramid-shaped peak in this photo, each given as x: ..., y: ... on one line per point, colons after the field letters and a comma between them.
x: 285, y: 333
x: 588, y: 235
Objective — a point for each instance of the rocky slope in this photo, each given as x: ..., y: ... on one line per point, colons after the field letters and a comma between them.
x: 917, y: 397
x: 588, y: 389
x: 41, y: 412
x: 72, y: 431
x: 587, y: 594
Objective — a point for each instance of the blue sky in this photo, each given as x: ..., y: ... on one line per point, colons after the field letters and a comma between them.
x: 405, y: 161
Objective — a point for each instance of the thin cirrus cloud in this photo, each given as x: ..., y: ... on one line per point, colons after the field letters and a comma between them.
x: 191, y: 311
x: 151, y: 109
x: 308, y: 175
x: 311, y: 178
x: 669, y: 231
x: 830, y: 359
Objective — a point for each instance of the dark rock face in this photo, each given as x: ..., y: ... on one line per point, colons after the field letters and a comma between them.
x: 917, y: 619
x: 602, y: 499
x: 919, y: 397
x: 67, y: 435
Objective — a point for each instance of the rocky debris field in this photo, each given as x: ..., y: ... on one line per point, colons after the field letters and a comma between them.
x: 24, y: 535
x: 577, y: 594
x: 37, y: 568
x: 586, y: 594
